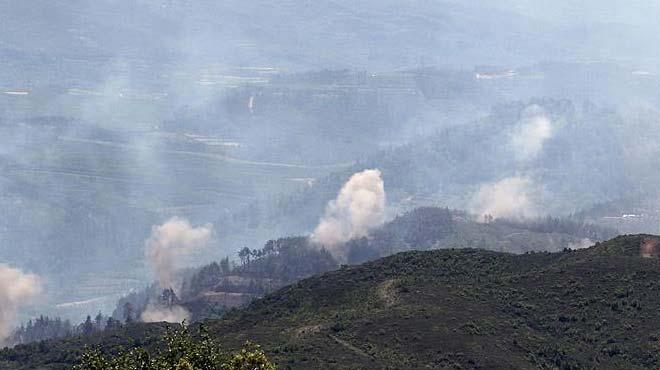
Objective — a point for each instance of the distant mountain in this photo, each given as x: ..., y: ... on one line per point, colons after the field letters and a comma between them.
x: 455, y: 308
x: 298, y: 34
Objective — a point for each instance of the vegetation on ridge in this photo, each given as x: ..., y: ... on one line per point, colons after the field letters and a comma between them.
x: 446, y: 309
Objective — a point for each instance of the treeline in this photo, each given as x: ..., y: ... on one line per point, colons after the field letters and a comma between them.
x: 45, y: 327
x: 420, y: 229
x: 129, y: 307
x: 434, y: 228
x: 278, y: 263
x: 41, y: 328
x: 567, y: 225
x: 257, y: 272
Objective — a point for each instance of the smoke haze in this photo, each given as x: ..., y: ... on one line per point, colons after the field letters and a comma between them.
x: 358, y: 209
x: 16, y: 289
x: 512, y: 197
x: 532, y: 131
x: 582, y: 244
x: 116, y: 116
x: 174, y: 314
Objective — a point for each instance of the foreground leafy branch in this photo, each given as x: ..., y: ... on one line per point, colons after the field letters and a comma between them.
x: 181, y: 351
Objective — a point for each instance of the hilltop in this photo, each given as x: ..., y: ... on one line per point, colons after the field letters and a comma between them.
x: 451, y: 308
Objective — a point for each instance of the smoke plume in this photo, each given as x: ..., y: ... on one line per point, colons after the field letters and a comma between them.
x: 358, y: 209
x: 532, y: 131
x: 173, y: 314
x: 581, y: 244
x: 16, y: 289
x: 511, y: 197
x: 169, y: 243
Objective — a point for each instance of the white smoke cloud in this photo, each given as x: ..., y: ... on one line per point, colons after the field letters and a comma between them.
x: 16, y: 289
x: 581, y: 244
x: 512, y: 197
x: 173, y: 314
x: 358, y: 209
x: 531, y: 133
x: 169, y: 243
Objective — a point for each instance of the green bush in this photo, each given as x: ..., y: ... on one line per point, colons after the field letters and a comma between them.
x: 181, y: 352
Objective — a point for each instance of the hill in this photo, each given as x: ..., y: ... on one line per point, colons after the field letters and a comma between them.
x: 212, y: 289
x: 593, y: 308
x: 465, y: 308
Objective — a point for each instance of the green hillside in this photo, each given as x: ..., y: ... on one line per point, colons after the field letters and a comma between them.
x: 468, y: 309
x: 451, y: 309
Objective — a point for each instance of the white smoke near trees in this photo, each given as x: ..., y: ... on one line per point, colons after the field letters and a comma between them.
x: 581, y: 244
x: 358, y: 209
x: 512, y: 197
x: 16, y: 289
x: 173, y: 314
x: 516, y: 196
x: 533, y: 130
x: 169, y: 243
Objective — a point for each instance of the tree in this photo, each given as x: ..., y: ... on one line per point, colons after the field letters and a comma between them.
x: 168, y: 297
x: 244, y: 255
x: 128, y: 312
x: 98, y: 321
x: 111, y: 323
x: 225, y: 268
x: 88, y: 326
x: 269, y: 248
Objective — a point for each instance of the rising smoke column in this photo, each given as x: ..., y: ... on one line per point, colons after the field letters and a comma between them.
x: 358, y: 209
x: 515, y: 196
x: 531, y: 132
x: 168, y: 244
x: 16, y: 289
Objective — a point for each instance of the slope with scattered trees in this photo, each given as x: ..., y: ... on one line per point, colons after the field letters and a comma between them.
x: 445, y: 309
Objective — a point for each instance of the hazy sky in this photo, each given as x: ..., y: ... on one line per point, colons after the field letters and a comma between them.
x: 620, y: 11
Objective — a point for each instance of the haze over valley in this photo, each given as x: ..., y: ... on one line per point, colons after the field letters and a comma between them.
x: 171, y: 160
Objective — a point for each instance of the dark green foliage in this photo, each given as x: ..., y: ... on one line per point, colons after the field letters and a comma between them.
x: 42, y: 328
x: 64, y: 353
x: 289, y: 260
x: 278, y: 263
x: 467, y: 309
x: 434, y: 228
x: 180, y: 351
x: 445, y: 309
